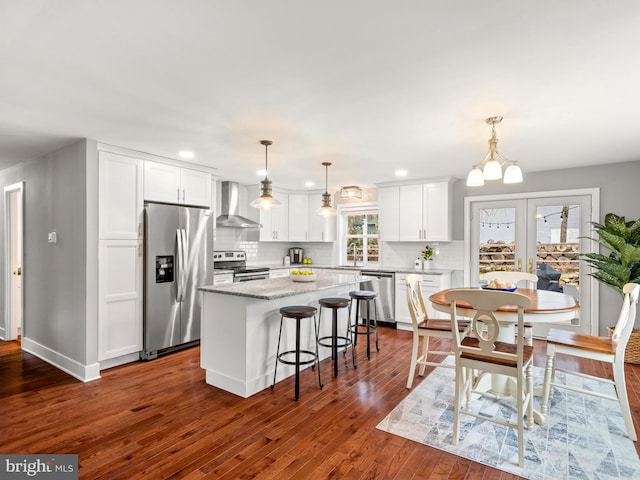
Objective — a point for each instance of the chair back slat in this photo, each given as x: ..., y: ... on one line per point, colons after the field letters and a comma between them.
x: 415, y: 300
x: 626, y: 319
x: 485, y: 325
x: 520, y: 279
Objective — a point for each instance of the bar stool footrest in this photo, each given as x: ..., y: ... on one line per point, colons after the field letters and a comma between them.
x: 282, y: 359
x: 328, y: 341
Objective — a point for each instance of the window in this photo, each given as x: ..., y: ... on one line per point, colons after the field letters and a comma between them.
x: 361, y: 236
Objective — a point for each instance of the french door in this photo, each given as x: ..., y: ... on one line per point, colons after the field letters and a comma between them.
x: 543, y: 235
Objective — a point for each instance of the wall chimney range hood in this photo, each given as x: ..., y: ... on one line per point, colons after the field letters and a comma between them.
x: 229, y: 208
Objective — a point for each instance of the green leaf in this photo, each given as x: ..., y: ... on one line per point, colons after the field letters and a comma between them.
x: 629, y: 254
x: 614, y: 242
x: 615, y: 224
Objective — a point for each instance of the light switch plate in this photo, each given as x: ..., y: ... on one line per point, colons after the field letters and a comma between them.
x: 52, y: 237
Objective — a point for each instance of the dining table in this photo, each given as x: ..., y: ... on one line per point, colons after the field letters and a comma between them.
x: 546, y: 307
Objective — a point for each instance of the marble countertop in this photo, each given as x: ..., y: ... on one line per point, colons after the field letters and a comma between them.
x: 221, y: 272
x: 273, y: 288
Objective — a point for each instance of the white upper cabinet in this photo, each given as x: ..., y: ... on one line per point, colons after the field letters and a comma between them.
x: 305, y: 225
x: 436, y: 211
x: 299, y: 217
x: 320, y: 229
x: 173, y: 184
x: 275, y: 222
x: 416, y: 212
x: 389, y: 213
x: 120, y: 197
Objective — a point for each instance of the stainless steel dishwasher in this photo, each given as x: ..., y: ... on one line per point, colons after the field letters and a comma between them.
x: 384, y: 286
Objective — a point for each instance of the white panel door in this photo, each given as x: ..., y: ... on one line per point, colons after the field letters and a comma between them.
x: 120, y: 196
x: 195, y: 187
x: 300, y: 217
x: 119, y: 298
x: 162, y: 182
x: 411, y: 228
x: 436, y: 219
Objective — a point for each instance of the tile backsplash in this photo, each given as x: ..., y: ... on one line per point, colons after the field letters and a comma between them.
x: 397, y: 254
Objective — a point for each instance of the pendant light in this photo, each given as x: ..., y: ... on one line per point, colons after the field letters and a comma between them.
x: 326, y: 210
x: 490, y: 167
x: 265, y: 201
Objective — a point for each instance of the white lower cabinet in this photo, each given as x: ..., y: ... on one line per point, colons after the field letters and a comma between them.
x: 431, y: 283
x: 120, y: 298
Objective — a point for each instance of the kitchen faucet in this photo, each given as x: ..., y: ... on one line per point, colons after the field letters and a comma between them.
x: 355, y: 253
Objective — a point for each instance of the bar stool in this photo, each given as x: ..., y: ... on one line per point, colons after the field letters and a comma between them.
x: 298, y: 312
x: 335, y: 341
x: 370, y: 324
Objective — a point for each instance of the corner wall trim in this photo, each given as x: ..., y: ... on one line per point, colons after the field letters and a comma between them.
x: 84, y: 373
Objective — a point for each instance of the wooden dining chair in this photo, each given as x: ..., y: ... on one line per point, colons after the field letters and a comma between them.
x: 481, y: 351
x: 425, y: 328
x: 604, y: 349
x: 520, y: 279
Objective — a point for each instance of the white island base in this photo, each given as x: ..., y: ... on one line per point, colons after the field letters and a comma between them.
x: 240, y: 324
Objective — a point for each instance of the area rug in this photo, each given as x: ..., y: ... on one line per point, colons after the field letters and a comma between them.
x: 583, y: 436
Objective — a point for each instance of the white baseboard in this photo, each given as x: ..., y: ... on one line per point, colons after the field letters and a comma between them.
x: 116, y: 362
x: 84, y: 373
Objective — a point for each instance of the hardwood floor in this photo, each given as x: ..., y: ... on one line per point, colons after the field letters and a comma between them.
x: 159, y: 420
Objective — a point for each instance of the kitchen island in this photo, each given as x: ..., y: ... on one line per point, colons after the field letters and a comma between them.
x: 240, y: 324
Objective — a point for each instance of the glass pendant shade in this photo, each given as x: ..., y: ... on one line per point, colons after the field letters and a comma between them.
x: 475, y: 178
x: 492, y: 170
x: 265, y: 201
x: 326, y: 210
x: 512, y: 174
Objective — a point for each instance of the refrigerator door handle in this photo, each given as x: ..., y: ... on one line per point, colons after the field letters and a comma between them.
x: 180, y: 261
x: 185, y: 260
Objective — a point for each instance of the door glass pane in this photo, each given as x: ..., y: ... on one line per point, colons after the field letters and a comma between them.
x: 497, y: 239
x: 557, y: 248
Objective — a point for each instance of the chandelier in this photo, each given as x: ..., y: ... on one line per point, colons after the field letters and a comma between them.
x: 326, y: 210
x: 265, y: 201
x: 490, y: 167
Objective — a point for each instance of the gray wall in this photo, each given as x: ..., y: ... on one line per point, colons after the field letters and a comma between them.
x: 619, y: 193
x: 55, y: 275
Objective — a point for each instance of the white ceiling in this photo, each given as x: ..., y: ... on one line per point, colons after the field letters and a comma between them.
x: 369, y: 85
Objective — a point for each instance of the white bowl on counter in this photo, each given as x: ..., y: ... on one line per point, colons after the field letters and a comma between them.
x: 296, y: 277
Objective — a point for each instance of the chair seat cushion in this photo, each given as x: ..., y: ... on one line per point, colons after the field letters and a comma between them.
x: 527, y: 353
x: 581, y: 341
x: 443, y: 325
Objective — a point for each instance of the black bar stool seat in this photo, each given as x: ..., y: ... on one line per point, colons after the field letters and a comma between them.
x: 298, y: 312
x: 335, y: 341
x: 369, y: 325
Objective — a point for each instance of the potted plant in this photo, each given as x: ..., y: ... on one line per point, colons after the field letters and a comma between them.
x: 427, y: 256
x: 622, y: 239
x: 621, y: 266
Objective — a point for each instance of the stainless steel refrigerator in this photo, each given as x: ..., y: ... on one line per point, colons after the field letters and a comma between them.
x: 178, y: 250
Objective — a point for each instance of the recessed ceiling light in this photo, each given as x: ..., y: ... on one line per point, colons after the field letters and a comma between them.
x: 309, y: 184
x: 401, y: 173
x: 186, y: 154
x: 261, y: 172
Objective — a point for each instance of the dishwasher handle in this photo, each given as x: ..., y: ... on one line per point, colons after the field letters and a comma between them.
x: 377, y: 274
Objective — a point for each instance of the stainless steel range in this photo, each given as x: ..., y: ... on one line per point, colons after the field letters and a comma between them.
x: 236, y: 261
